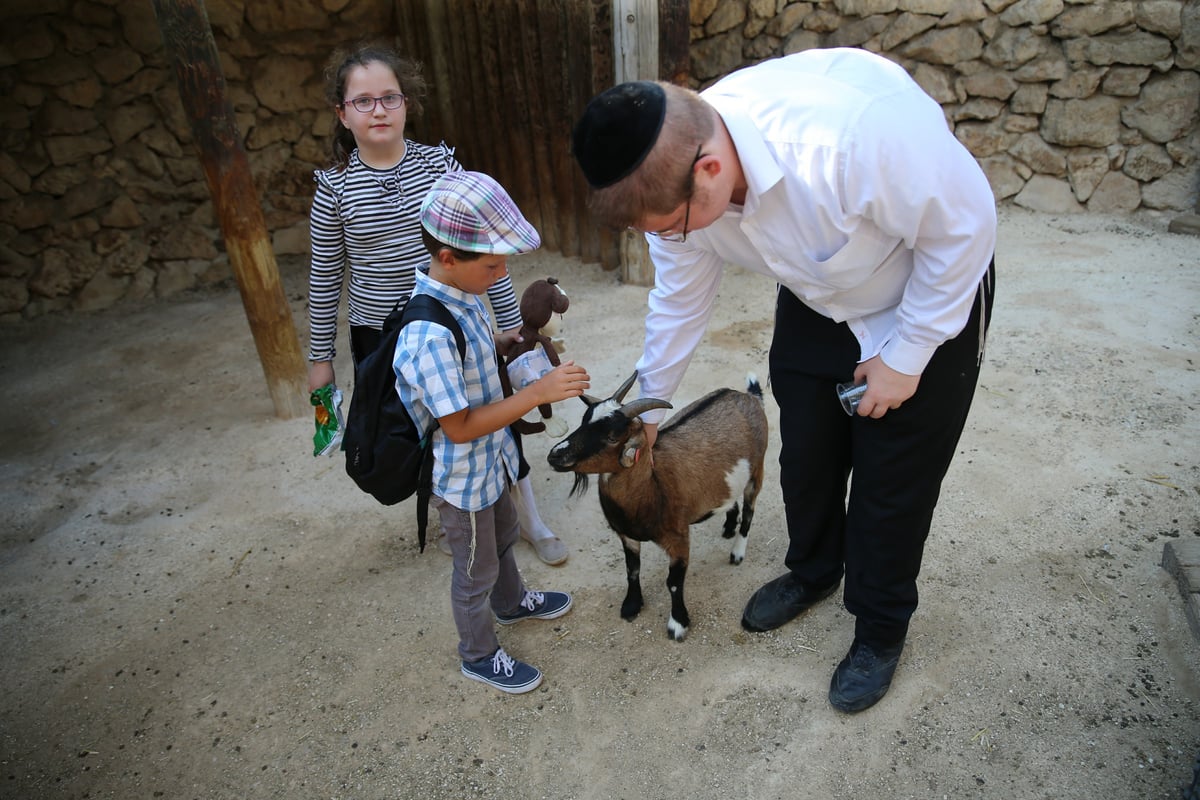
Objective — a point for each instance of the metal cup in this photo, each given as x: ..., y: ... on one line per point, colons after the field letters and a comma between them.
x: 849, y: 394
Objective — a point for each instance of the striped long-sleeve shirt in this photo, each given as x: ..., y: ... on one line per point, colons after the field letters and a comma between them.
x: 369, y: 220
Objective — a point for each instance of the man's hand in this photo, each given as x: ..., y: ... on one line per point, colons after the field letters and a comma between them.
x: 650, y: 431
x: 886, y: 388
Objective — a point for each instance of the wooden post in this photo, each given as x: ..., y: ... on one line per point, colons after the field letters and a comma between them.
x: 650, y: 42
x: 193, y: 54
x: 635, y: 58
x: 635, y: 40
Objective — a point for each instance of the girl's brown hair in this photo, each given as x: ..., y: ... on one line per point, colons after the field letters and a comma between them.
x: 407, y: 72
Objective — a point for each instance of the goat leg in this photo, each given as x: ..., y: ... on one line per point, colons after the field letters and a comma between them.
x: 731, y: 518
x: 739, y: 546
x: 632, y: 603
x: 680, y: 621
x: 749, y: 498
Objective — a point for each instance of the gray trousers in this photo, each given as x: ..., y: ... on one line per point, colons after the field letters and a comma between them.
x: 485, y: 578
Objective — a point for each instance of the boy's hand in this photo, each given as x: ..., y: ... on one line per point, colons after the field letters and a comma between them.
x: 568, y: 379
x: 565, y: 380
x: 506, y: 339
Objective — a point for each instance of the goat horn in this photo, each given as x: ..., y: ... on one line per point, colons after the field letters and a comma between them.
x: 643, y: 404
x: 619, y: 394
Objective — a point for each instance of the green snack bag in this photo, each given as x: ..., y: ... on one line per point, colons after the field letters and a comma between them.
x: 327, y: 402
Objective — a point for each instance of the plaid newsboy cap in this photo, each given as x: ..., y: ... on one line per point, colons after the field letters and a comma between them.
x: 470, y: 211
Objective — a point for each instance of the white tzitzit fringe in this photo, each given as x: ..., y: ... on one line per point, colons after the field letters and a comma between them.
x: 983, y: 298
x: 471, y: 544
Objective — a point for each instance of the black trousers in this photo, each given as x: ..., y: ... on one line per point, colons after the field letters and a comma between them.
x: 874, y: 536
x: 363, y: 341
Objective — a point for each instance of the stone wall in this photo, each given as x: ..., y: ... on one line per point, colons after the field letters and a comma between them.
x: 102, y: 194
x: 1068, y: 106
x: 1085, y: 107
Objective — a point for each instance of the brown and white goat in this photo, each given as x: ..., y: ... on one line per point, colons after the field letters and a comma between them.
x: 705, y: 457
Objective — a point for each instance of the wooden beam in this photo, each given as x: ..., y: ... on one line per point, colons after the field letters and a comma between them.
x: 193, y: 54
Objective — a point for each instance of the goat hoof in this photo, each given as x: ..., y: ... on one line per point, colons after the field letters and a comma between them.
x: 630, y: 611
x: 738, y: 553
x: 675, y: 630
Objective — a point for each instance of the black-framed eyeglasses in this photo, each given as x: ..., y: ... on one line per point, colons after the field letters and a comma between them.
x: 367, y: 104
x: 681, y: 235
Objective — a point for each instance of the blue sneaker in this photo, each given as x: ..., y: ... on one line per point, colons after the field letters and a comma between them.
x: 502, y: 671
x: 538, y: 605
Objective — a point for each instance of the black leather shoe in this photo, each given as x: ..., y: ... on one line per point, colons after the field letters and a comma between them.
x: 780, y: 601
x: 863, y: 677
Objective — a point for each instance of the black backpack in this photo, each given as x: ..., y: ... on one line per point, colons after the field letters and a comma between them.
x: 386, y: 454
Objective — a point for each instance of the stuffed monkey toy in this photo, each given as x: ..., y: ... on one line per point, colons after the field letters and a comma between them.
x: 528, y: 360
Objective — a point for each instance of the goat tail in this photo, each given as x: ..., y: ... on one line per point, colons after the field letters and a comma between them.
x: 753, y: 387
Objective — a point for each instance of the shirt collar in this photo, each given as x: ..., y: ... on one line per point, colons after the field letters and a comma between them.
x: 448, y: 294
x: 759, y: 167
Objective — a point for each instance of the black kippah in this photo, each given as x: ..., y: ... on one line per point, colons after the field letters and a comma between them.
x: 618, y: 130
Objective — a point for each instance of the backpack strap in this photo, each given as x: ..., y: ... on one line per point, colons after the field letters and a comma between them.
x: 430, y: 309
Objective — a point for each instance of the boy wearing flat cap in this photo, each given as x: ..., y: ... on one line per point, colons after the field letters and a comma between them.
x: 470, y: 226
x: 833, y: 173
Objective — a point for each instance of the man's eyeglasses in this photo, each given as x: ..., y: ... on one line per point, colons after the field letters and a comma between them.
x: 681, y: 235
x: 367, y: 104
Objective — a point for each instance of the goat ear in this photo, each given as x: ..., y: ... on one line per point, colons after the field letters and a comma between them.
x: 588, y: 400
x: 629, y: 454
x: 636, y: 442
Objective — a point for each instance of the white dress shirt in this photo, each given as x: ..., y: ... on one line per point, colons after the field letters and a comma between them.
x: 860, y: 201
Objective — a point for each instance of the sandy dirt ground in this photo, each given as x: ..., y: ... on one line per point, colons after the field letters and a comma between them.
x: 193, y: 606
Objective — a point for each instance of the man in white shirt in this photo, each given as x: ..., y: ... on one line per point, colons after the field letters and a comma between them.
x: 833, y: 173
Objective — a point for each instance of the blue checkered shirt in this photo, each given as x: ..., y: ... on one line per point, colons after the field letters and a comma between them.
x: 433, y: 383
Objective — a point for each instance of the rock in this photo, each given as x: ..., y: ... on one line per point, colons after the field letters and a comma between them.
x: 1049, y: 195
x: 1175, y: 191
x: 1116, y: 193
x: 1094, y: 122
x: 1166, y: 108
x: 1085, y: 170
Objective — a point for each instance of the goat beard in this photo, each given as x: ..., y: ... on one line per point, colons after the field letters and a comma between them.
x: 580, y: 487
